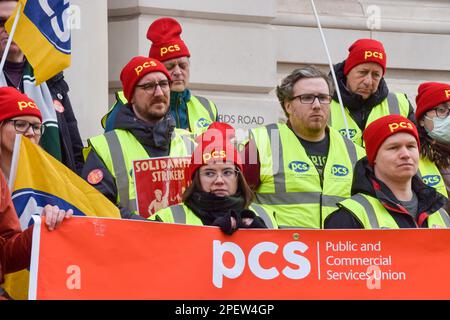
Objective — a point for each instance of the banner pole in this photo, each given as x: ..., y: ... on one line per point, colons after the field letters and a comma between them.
x: 11, y: 35
x: 331, y: 69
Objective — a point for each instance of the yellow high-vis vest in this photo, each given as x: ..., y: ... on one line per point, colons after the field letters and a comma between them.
x: 373, y: 215
x: 201, y: 112
x: 430, y: 175
x: 290, y: 184
x: 182, y: 214
x: 118, y: 148
x: 395, y: 103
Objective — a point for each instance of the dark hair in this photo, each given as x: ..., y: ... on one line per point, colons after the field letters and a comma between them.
x: 285, y: 90
x: 243, y: 188
x: 432, y: 149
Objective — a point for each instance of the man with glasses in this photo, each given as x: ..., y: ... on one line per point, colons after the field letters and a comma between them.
x: 432, y: 114
x: 300, y: 169
x: 18, y: 115
x: 190, y: 112
x: 144, y: 130
x: 62, y: 141
x: 364, y: 92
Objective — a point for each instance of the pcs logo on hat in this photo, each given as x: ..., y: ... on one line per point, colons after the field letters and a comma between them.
x: 215, y: 154
x: 375, y: 54
x: 26, y: 104
x: 396, y: 125
x: 447, y: 93
x: 143, y: 66
x: 172, y: 48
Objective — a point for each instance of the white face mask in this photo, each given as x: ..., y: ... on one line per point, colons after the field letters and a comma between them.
x: 441, y: 129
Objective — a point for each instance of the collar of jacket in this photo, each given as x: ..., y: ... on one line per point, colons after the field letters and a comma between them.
x: 154, y: 136
x: 354, y: 101
x: 364, y: 181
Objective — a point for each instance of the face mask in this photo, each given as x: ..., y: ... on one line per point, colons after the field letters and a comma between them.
x: 441, y: 130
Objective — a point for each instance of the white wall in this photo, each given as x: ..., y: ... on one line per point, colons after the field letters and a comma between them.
x: 88, y: 74
x: 240, y: 49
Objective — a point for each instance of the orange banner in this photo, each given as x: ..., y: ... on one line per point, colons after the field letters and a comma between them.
x: 101, y: 258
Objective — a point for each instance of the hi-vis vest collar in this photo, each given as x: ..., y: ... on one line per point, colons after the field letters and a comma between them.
x: 373, y: 215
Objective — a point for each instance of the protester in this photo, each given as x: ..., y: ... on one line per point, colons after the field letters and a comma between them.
x: 190, y: 112
x: 144, y: 130
x: 218, y: 194
x: 299, y: 170
x: 364, y: 91
x: 386, y: 192
x: 433, y: 108
x: 18, y: 115
x: 15, y: 245
x: 65, y: 143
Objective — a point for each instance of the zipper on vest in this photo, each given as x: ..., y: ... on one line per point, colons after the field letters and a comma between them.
x: 177, y: 106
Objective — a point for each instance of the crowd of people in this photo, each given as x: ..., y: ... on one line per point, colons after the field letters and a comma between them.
x: 389, y: 167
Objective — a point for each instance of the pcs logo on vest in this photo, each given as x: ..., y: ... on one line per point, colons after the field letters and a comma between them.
x: 431, y: 180
x: 340, y: 171
x: 299, y: 166
x: 352, y: 132
x: 202, y: 123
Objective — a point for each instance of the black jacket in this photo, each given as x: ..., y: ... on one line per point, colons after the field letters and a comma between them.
x: 69, y: 135
x: 155, y: 140
x: 70, y: 139
x: 358, y: 107
x: 365, y: 182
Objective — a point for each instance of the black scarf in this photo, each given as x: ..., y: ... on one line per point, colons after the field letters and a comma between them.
x: 154, y: 138
x: 208, y: 207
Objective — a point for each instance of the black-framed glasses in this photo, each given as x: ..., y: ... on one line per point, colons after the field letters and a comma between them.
x: 226, y: 174
x: 442, y: 112
x: 309, y: 98
x: 151, y: 86
x: 22, y: 126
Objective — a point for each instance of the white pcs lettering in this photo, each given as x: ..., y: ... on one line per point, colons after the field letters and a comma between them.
x: 290, y: 254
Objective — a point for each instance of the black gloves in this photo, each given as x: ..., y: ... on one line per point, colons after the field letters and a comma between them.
x: 246, y: 219
x: 224, y: 222
x: 250, y: 220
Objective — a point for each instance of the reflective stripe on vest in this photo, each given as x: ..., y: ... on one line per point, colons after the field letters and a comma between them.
x: 179, y: 215
x: 395, y: 103
x: 296, y: 196
x: 118, y: 149
x: 261, y: 212
x: 373, y: 215
x: 201, y: 112
x: 430, y: 175
x: 184, y: 215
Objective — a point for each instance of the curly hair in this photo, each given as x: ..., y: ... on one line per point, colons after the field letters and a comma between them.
x: 285, y: 90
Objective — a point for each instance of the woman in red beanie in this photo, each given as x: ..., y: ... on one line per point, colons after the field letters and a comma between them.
x: 432, y: 114
x: 218, y: 194
x: 18, y: 115
x: 386, y: 191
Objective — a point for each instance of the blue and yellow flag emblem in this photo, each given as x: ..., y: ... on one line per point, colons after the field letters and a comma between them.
x: 43, y: 34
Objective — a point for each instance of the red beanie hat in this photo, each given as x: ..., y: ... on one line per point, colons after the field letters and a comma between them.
x: 214, y: 145
x: 431, y: 94
x: 365, y: 50
x: 14, y: 103
x: 384, y: 127
x: 136, y: 69
x: 164, y: 33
